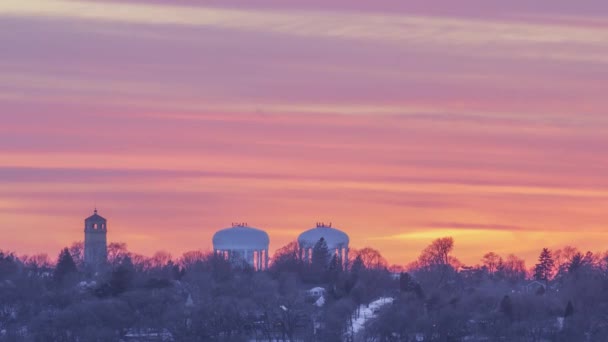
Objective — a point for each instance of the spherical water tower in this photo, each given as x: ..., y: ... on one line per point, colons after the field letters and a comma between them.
x: 336, y: 240
x: 241, y: 242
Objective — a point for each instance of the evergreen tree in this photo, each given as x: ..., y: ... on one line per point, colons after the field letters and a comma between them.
x: 320, y: 254
x: 569, y: 310
x: 334, y: 269
x: 576, y: 263
x: 358, y: 265
x: 65, y: 265
x: 580, y: 262
x: 335, y: 265
x: 122, y: 276
x: 320, y: 259
x: 544, y: 269
x: 406, y: 283
x: 287, y: 258
x: 8, y: 264
x: 506, y: 307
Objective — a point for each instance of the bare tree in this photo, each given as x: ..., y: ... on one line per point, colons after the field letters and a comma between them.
x: 160, y: 259
x: 372, y: 259
x: 37, y: 262
x: 116, y: 252
x: 437, y: 253
x: 191, y: 258
x: 491, y: 261
x: 77, y: 252
x: 513, y: 269
x: 287, y: 259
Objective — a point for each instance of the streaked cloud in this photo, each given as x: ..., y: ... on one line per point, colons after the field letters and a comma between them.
x: 460, y: 225
x: 399, y: 29
x: 398, y: 121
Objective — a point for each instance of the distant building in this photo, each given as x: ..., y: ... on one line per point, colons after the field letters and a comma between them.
x: 95, y: 242
x: 241, y: 242
x: 535, y: 287
x: 336, y: 240
x: 315, y: 292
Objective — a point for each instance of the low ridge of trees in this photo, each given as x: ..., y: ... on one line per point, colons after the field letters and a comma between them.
x: 202, y: 296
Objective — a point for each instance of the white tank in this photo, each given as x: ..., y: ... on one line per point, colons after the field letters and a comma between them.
x: 241, y: 242
x: 336, y: 240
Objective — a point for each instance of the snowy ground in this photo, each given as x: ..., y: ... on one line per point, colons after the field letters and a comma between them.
x: 365, y: 313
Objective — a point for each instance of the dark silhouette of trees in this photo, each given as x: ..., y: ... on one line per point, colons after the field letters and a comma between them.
x: 512, y: 269
x: 65, y: 266
x: 506, y: 307
x: 319, y: 261
x: 437, y: 253
x: 492, y: 262
x: 569, y: 310
x: 191, y: 259
x: 8, y: 265
x: 37, y: 263
x: 407, y: 284
x: 117, y: 251
x: 562, y: 258
x: 335, y: 318
x: 320, y: 255
x: 334, y: 270
x: 160, y: 259
x: 580, y: 262
x: 287, y: 259
x: 122, y: 277
x: 358, y: 265
x: 77, y: 253
x: 434, y: 267
x: 372, y: 259
x: 544, y: 269
x: 203, y: 296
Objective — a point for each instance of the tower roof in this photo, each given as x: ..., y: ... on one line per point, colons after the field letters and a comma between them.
x: 334, y: 238
x: 240, y: 236
x: 95, y: 217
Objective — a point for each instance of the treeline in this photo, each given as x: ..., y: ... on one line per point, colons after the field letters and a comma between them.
x: 563, y: 297
x: 197, y: 297
x: 203, y: 297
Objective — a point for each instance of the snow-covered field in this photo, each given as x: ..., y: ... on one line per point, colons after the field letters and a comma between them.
x: 365, y: 313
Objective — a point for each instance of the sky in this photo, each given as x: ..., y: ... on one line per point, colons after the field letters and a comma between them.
x: 397, y: 121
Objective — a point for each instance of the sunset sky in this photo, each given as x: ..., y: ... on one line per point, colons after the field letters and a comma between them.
x: 398, y: 121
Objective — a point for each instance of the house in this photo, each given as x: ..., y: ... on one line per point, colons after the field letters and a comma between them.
x: 315, y: 292
x: 534, y: 287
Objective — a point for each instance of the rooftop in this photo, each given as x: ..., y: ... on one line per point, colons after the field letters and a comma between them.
x: 334, y: 237
x: 95, y: 217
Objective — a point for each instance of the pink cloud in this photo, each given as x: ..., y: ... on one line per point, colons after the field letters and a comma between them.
x: 488, y: 119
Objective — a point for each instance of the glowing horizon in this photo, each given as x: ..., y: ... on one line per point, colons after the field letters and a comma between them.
x: 398, y: 121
